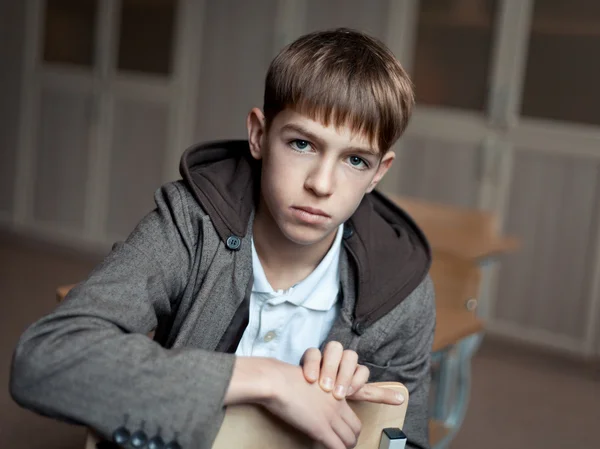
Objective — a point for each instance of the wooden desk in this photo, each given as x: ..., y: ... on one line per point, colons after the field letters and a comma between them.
x: 468, y: 233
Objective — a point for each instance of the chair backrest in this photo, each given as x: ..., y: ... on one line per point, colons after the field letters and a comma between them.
x: 251, y: 427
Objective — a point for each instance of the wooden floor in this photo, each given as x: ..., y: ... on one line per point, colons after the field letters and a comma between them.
x: 520, y: 398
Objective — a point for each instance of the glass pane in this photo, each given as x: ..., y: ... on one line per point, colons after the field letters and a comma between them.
x: 452, y: 54
x: 368, y: 16
x: 69, y: 31
x: 562, y: 64
x: 146, y: 40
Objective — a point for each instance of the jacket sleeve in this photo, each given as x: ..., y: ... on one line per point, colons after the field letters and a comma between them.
x: 91, y: 362
x: 413, y: 322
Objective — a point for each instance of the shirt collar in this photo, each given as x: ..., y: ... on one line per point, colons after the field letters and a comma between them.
x: 318, y: 291
x: 260, y: 284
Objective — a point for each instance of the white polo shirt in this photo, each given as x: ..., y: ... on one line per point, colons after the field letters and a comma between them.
x: 283, y: 324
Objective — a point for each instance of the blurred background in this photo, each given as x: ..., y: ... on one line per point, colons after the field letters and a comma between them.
x: 99, y: 98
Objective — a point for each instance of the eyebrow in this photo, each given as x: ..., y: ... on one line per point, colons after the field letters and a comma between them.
x: 313, y: 137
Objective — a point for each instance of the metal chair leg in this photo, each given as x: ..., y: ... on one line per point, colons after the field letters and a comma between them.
x: 455, y: 374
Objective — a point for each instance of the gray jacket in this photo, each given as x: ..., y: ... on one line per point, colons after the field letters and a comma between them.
x: 184, y: 273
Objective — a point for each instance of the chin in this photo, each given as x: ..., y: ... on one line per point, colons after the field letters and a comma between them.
x: 304, y: 235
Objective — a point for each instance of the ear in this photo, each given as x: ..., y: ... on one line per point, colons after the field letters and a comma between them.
x: 384, y: 166
x: 256, y: 125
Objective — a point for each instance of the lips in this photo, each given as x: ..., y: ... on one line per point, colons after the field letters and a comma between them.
x: 310, y: 215
x: 313, y: 211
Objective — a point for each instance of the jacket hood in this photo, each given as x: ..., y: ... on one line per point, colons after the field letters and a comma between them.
x: 390, y: 254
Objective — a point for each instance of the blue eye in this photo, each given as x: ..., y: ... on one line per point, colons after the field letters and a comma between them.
x: 358, y: 162
x: 299, y: 145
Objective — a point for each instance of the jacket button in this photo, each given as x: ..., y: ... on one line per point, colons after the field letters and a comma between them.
x: 121, y: 435
x: 348, y: 231
x: 359, y: 328
x: 138, y: 439
x: 173, y: 445
x: 233, y: 242
x: 156, y: 443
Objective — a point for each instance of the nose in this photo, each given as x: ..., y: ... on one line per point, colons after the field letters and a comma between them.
x: 320, y: 179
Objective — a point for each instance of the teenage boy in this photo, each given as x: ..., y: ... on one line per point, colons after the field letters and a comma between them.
x: 266, y: 250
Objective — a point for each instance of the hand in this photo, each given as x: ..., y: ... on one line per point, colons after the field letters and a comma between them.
x: 313, y: 411
x: 338, y: 371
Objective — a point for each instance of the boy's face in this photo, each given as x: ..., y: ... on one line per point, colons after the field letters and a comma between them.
x: 313, y: 176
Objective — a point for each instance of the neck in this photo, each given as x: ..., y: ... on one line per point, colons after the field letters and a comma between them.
x: 284, y: 262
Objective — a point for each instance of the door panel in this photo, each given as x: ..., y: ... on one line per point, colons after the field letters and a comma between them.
x: 140, y: 136
x: 437, y: 170
x: 236, y: 53
x: 552, y: 209
x: 61, y: 155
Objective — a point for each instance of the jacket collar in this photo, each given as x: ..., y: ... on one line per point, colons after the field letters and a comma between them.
x: 389, y: 253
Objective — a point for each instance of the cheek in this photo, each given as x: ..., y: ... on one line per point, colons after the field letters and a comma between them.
x: 351, y: 191
x: 350, y: 200
x: 278, y: 179
x: 283, y: 171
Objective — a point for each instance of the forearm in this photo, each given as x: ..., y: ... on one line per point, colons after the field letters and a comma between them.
x: 252, y: 381
x: 97, y: 377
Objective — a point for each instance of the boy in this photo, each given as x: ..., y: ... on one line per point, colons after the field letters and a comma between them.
x: 264, y: 251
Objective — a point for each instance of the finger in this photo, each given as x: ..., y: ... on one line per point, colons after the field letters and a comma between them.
x: 331, y: 440
x: 311, y: 364
x: 344, y: 432
x: 371, y: 393
x: 361, y: 377
x: 351, y: 419
x: 345, y: 373
x: 332, y: 355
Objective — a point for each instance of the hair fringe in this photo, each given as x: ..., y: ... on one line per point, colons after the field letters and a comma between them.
x: 343, y: 77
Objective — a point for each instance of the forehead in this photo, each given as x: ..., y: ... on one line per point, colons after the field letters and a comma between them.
x: 334, y: 135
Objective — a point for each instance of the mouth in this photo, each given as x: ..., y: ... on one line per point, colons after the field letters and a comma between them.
x: 312, y: 211
x: 310, y: 214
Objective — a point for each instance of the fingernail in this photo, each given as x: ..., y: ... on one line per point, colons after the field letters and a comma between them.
x: 350, y: 390
x: 400, y: 398
x: 340, y: 391
x: 313, y: 375
x: 327, y: 383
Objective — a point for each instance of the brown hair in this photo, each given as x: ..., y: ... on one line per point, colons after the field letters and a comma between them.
x: 342, y: 76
